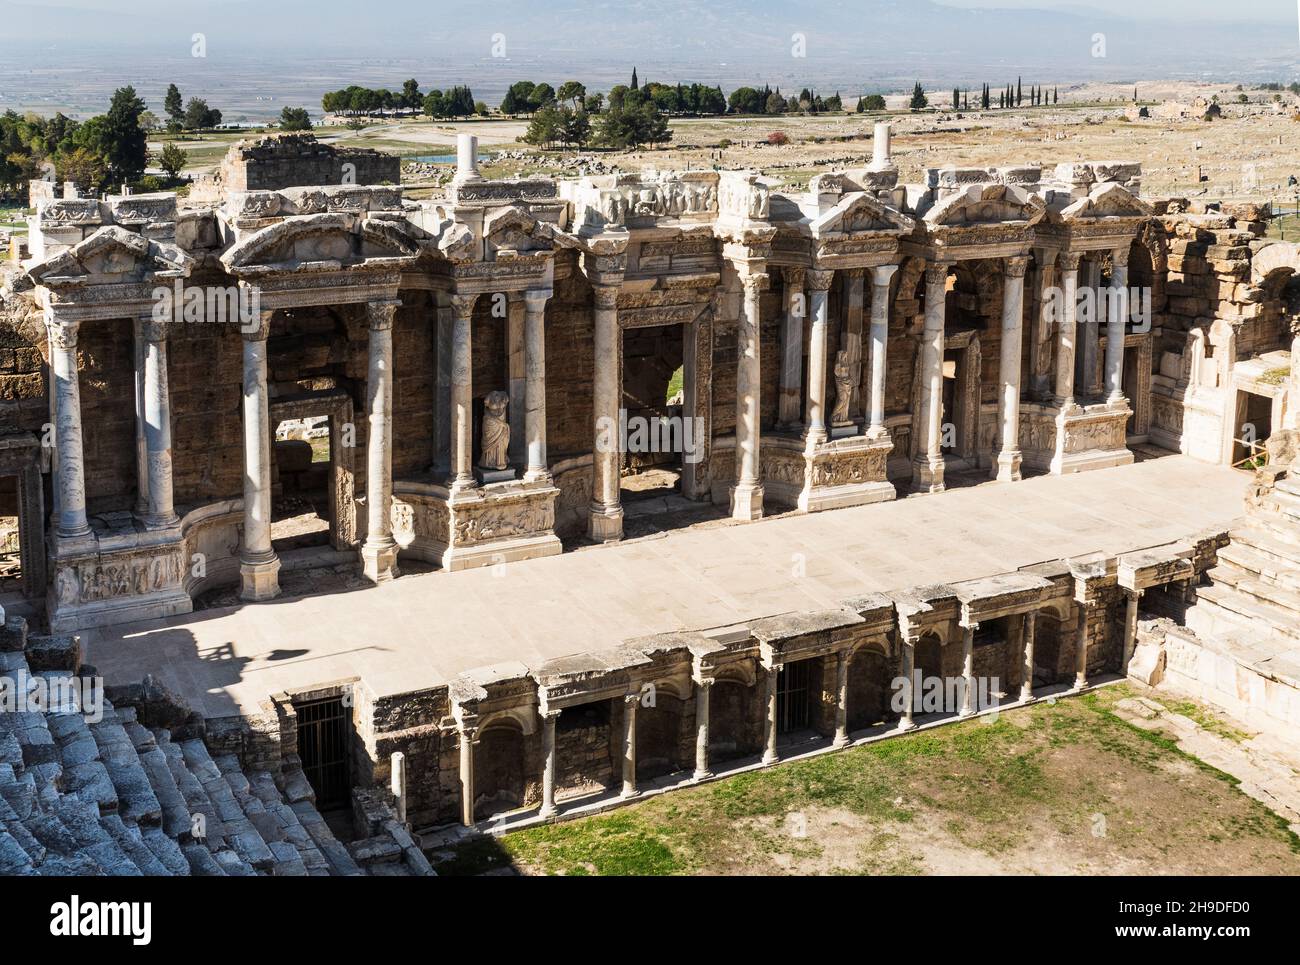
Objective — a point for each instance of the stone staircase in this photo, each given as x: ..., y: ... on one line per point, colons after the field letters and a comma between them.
x: 1254, y: 592
x: 110, y: 796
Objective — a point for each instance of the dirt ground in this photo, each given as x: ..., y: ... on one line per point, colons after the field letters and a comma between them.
x: 1066, y: 787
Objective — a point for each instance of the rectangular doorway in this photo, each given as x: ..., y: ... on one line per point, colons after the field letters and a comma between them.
x: 324, y: 731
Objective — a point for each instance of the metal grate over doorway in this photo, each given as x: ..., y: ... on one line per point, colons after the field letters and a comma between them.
x: 323, y: 727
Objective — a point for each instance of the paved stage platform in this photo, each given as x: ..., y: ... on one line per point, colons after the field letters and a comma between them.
x: 422, y: 630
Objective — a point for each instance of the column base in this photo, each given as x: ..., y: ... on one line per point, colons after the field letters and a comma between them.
x: 905, y: 725
x: 747, y: 501
x: 629, y: 795
x: 548, y: 812
x: 155, y: 523
x: 1079, y: 683
x: 927, y: 476
x: 605, y: 524
x: 877, y: 433
x: 841, y: 742
x: 769, y: 760
x: 379, y: 561
x: 259, y: 580
x: 539, y: 476
x: 1027, y: 698
x: 699, y: 775
x: 1008, y: 466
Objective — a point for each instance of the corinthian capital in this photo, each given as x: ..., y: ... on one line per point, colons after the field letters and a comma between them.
x: 1017, y: 266
x: 380, y: 314
x: 820, y: 279
x: 462, y: 304
x: 63, y: 332
x: 606, y: 296
x: 936, y: 273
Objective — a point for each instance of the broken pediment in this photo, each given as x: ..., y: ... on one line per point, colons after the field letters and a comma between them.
x: 312, y: 241
x: 113, y: 255
x: 515, y: 229
x: 1108, y: 200
x: 987, y: 204
x: 860, y: 212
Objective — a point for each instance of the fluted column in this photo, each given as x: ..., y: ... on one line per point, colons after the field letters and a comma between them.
x: 379, y: 552
x: 880, y: 278
x: 606, y: 521
x: 819, y: 283
x: 462, y: 392
x: 927, y: 468
x: 159, y: 512
x: 968, y: 668
x: 549, y: 718
x: 769, y: 733
x: 1068, y: 330
x: 1007, y: 468
x: 468, y: 741
x: 70, y: 476
x: 842, y: 698
x: 1027, y: 667
x: 1117, y: 310
x: 630, y: 702
x: 702, y: 687
x: 747, y: 494
x: 796, y: 309
x: 259, y: 567
x: 535, y: 383
x: 906, y: 669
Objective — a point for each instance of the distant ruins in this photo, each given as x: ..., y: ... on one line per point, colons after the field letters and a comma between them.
x: 856, y: 343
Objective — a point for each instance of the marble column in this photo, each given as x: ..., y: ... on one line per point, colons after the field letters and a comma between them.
x: 630, y: 702
x: 379, y: 552
x: 1067, y: 327
x: 1081, y: 647
x: 1027, y: 667
x: 1007, y: 468
x: 819, y: 283
x: 606, y: 519
x: 549, y: 718
x: 535, y: 384
x: 259, y: 567
x: 851, y: 333
x: 516, y: 379
x: 462, y: 393
x: 1131, y: 601
x: 141, y: 446
x: 842, y: 698
x: 70, y: 477
x: 769, y: 742
x: 397, y: 784
x: 468, y: 741
x: 906, y: 669
x: 1086, y: 363
x: 927, y: 468
x: 968, y: 668
x: 159, y: 512
x: 1117, y: 310
x: 880, y: 278
x: 702, y: 688
x: 440, y: 468
x: 747, y: 494
x: 1040, y: 376
x: 790, y: 398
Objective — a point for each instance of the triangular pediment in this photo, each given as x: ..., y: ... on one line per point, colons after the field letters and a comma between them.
x: 860, y: 213
x: 113, y: 255
x: 515, y: 229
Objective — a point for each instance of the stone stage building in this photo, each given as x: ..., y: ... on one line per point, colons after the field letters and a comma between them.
x: 470, y: 364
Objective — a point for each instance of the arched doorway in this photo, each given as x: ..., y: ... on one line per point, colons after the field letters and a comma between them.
x: 659, y: 736
x: 499, y: 782
x: 870, y: 677
x: 735, y: 720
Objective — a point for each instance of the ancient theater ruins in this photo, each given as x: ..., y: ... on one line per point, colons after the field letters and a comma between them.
x: 296, y: 447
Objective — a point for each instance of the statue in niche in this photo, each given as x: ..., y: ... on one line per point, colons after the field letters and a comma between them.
x: 495, y: 435
x: 843, y: 389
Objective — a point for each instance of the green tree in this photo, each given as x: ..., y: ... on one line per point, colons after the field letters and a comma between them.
x: 411, y: 97
x: 871, y: 102
x: 173, y: 106
x: 919, y: 101
x: 573, y: 92
x: 746, y: 100
x: 125, y: 145
x: 173, y: 159
x: 295, y: 119
x: 198, y: 116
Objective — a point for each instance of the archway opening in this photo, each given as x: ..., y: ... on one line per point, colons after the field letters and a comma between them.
x: 499, y: 771
x: 659, y: 736
x: 735, y: 721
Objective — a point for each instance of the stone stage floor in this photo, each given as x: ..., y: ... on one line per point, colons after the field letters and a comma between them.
x: 423, y: 629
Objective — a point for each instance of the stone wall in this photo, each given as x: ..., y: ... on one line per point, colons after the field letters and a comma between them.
x: 205, y: 381
x: 106, y: 354
x: 23, y: 403
x: 297, y: 160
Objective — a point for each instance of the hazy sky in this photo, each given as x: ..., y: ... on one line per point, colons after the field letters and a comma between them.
x: 1269, y: 11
